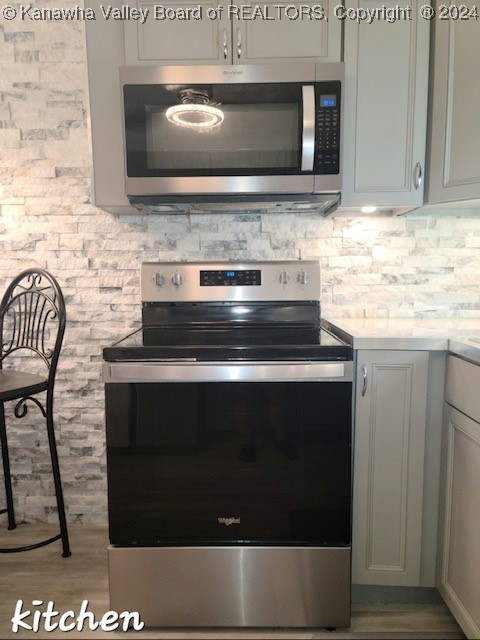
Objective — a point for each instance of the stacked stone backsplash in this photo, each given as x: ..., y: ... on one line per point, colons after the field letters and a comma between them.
x: 417, y: 265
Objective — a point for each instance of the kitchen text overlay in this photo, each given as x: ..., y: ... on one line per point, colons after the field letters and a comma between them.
x: 50, y: 620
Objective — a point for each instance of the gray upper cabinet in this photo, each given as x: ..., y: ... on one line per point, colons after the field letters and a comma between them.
x: 232, y: 33
x: 454, y: 157
x: 105, y: 54
x: 177, y: 41
x: 386, y: 96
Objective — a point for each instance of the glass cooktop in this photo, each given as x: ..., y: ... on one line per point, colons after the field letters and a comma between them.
x: 223, y: 344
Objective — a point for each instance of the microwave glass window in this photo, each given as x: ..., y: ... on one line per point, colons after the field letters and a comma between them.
x: 250, y: 136
x: 246, y: 129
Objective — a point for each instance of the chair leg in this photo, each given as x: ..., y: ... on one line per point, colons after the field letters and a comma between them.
x: 56, y: 478
x: 6, y: 469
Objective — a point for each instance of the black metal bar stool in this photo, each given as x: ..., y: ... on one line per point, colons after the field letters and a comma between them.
x: 32, y: 319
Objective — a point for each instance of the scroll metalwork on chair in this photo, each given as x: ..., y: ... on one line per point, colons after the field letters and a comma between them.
x: 32, y: 323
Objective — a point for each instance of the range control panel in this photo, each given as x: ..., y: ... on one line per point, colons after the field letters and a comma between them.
x: 236, y: 282
x: 231, y: 278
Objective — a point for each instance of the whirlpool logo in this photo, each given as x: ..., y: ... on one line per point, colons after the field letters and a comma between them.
x: 228, y: 521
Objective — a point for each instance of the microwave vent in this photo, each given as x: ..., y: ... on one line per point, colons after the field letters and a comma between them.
x: 321, y: 204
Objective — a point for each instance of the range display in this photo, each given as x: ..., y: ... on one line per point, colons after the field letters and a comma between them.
x: 231, y: 278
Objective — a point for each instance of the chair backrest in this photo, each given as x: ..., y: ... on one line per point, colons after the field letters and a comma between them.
x: 32, y: 317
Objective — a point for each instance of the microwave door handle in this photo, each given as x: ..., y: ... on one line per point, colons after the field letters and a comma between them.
x: 308, y: 127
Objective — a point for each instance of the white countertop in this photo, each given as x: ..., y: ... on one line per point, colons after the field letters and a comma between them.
x: 457, y: 335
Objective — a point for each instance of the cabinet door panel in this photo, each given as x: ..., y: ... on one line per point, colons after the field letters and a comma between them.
x: 455, y: 126
x: 385, y: 108
x: 177, y: 41
x: 460, y: 568
x: 286, y: 34
x: 105, y: 53
x: 388, y: 467
x: 463, y: 126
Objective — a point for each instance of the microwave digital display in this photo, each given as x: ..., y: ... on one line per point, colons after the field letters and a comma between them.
x: 328, y: 101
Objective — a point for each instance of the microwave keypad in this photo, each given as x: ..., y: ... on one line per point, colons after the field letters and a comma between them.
x: 327, y: 135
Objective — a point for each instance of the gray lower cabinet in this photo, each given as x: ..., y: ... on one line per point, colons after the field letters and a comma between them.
x: 389, y: 456
x: 459, y: 550
x: 454, y: 160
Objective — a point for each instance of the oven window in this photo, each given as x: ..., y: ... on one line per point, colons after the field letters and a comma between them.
x: 259, y: 129
x: 229, y: 463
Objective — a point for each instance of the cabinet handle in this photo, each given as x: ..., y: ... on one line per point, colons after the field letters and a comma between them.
x: 224, y: 43
x: 239, y: 43
x: 364, y: 379
x: 417, y: 176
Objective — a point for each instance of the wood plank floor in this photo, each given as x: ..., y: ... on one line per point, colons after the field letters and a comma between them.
x: 44, y: 575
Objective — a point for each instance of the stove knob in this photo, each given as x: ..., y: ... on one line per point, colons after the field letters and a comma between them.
x: 159, y: 279
x: 303, y: 278
x: 176, y: 279
x: 284, y: 278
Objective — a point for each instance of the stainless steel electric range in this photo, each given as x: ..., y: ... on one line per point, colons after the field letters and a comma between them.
x: 229, y: 451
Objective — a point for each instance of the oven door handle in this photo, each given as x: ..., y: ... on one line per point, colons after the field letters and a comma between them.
x: 227, y: 372
x: 308, y: 127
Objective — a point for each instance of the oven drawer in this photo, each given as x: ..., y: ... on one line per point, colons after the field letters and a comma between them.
x: 232, y: 586
x: 227, y: 372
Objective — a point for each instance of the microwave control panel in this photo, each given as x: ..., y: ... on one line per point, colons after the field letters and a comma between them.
x: 327, y: 128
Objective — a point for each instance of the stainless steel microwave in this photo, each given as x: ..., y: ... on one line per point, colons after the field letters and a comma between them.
x: 232, y: 131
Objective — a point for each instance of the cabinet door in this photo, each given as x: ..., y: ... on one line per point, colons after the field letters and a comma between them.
x: 204, y: 37
x: 105, y: 53
x: 386, y: 93
x: 290, y: 32
x: 241, y: 33
x: 454, y: 159
x: 390, y: 419
x: 460, y: 526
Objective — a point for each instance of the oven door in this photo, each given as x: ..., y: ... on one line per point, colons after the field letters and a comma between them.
x: 234, y: 454
x: 217, y: 130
